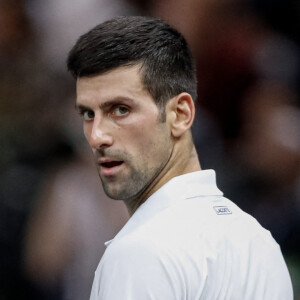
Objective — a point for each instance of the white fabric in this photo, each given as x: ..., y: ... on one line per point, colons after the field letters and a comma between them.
x: 188, y: 242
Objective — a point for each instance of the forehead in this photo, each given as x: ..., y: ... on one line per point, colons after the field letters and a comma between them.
x: 122, y: 81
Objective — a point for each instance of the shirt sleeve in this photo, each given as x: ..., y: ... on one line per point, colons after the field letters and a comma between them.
x: 135, y: 270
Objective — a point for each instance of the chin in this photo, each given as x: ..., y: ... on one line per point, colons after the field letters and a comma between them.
x: 124, y: 195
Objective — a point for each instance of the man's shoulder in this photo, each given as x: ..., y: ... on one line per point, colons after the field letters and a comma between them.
x: 137, y: 268
x: 133, y: 248
x: 132, y: 257
x: 190, y: 229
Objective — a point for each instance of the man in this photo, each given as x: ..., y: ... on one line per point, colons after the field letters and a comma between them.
x: 135, y: 90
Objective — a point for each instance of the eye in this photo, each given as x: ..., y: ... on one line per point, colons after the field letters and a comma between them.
x: 120, y: 111
x: 87, y: 115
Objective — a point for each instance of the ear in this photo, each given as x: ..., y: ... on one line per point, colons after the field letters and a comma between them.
x: 180, y: 114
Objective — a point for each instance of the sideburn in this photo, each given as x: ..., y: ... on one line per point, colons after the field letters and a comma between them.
x: 162, y: 113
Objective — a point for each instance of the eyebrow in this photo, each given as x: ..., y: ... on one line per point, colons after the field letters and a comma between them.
x: 108, y: 103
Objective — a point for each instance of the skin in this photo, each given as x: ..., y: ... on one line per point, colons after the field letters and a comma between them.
x: 135, y: 152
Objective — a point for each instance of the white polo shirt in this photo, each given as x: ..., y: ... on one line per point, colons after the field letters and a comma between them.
x: 188, y: 242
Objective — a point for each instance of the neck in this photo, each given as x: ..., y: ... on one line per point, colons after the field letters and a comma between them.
x: 183, y: 160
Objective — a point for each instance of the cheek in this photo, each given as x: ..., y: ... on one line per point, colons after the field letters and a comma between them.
x: 87, y: 130
x: 149, y: 142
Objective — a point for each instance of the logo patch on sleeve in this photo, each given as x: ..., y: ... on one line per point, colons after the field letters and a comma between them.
x: 222, y: 210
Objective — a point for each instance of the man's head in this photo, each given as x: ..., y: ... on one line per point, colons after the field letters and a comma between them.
x: 130, y: 72
x: 161, y: 51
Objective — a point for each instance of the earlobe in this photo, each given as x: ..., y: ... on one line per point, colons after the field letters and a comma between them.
x: 182, y: 110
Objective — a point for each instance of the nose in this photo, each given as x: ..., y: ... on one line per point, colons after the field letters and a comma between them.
x: 99, y: 136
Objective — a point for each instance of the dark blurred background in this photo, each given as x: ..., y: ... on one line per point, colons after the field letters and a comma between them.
x: 54, y: 216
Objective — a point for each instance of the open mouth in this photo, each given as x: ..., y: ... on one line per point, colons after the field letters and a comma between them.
x: 111, y: 164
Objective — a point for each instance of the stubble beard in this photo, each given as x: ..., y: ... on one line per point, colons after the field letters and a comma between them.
x: 130, y: 183
x: 130, y: 186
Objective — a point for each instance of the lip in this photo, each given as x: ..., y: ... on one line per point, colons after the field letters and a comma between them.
x: 107, y: 167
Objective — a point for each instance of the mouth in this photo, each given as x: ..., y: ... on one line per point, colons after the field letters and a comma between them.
x: 109, y: 168
x: 111, y: 164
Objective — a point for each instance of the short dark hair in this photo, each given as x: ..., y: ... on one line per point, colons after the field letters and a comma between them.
x: 166, y: 62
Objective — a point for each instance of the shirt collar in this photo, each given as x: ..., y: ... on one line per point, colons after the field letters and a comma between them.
x: 190, y: 185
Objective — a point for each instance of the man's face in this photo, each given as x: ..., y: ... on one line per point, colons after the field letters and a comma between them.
x: 122, y: 124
